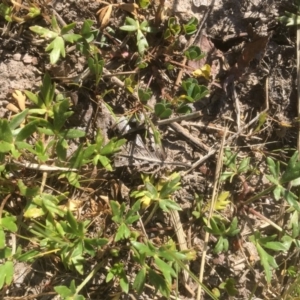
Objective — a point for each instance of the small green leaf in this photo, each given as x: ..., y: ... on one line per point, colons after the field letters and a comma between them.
x: 17, y: 120
x: 58, y: 49
x: 159, y: 283
x: 28, y: 256
x: 144, y: 3
x: 105, y: 162
x: 290, y: 19
x: 152, y: 190
x: 5, y: 132
x: 166, y: 269
x: 122, y: 233
x: 276, y: 246
x: 6, y: 273
x: 167, y: 204
x: 129, y: 27
x: 63, y: 291
x: 72, y: 221
x: 2, y: 239
x: 162, y: 111
x: 9, y: 223
x: 71, y: 37
x: 139, y: 281
x: 67, y: 28
x: 44, y: 32
x: 86, y: 27
x: 194, y: 53
x: 27, y: 131
x: 124, y: 283
x: 72, y: 133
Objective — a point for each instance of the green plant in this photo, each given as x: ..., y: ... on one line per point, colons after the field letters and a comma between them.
x: 164, y: 267
x: 117, y: 271
x: 159, y: 192
x: 193, y: 92
x: 291, y: 19
x: 235, y: 168
x: 58, y: 36
x: 290, y: 176
x: 68, y: 293
x: 268, y: 261
x: 194, y: 53
x: 95, y: 65
x: 163, y: 110
x: 144, y: 3
x: 218, y: 227
x: 67, y: 237
x: 7, y: 224
x: 6, y: 12
x: 100, y: 151
x: 173, y: 28
x: 191, y: 27
x: 229, y: 286
x: 132, y: 25
x: 124, y: 220
x: 144, y: 95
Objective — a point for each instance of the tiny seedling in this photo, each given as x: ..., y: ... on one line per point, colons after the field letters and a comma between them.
x: 6, y: 12
x: 132, y: 25
x: 191, y: 27
x: 58, y: 37
x: 290, y: 176
x: 124, y: 220
x: 159, y: 192
x: 193, y: 92
x: 194, y: 53
x: 218, y: 227
x: 118, y: 271
x: 235, y: 168
x: 173, y: 29
x: 68, y: 293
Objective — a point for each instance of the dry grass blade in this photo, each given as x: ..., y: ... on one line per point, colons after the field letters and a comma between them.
x: 104, y: 15
x: 298, y: 83
x: 177, y: 225
x: 212, y: 205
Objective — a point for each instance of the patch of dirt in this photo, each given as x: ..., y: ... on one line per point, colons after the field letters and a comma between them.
x: 253, y: 67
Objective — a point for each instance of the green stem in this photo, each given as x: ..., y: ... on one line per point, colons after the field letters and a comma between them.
x: 259, y: 195
x: 90, y: 276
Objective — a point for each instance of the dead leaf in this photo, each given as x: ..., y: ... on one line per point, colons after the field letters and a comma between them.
x: 130, y: 7
x: 20, y: 99
x: 12, y: 108
x: 252, y: 50
x: 204, y: 72
x: 104, y: 15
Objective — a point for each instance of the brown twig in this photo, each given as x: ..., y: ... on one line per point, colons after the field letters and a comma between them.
x: 178, y: 128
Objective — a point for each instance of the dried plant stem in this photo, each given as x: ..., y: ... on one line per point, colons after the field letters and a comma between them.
x: 211, y: 208
x: 298, y: 84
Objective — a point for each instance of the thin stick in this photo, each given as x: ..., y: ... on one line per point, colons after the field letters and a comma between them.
x: 211, y: 209
x: 237, y: 106
x: 180, y: 118
x: 178, y: 128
